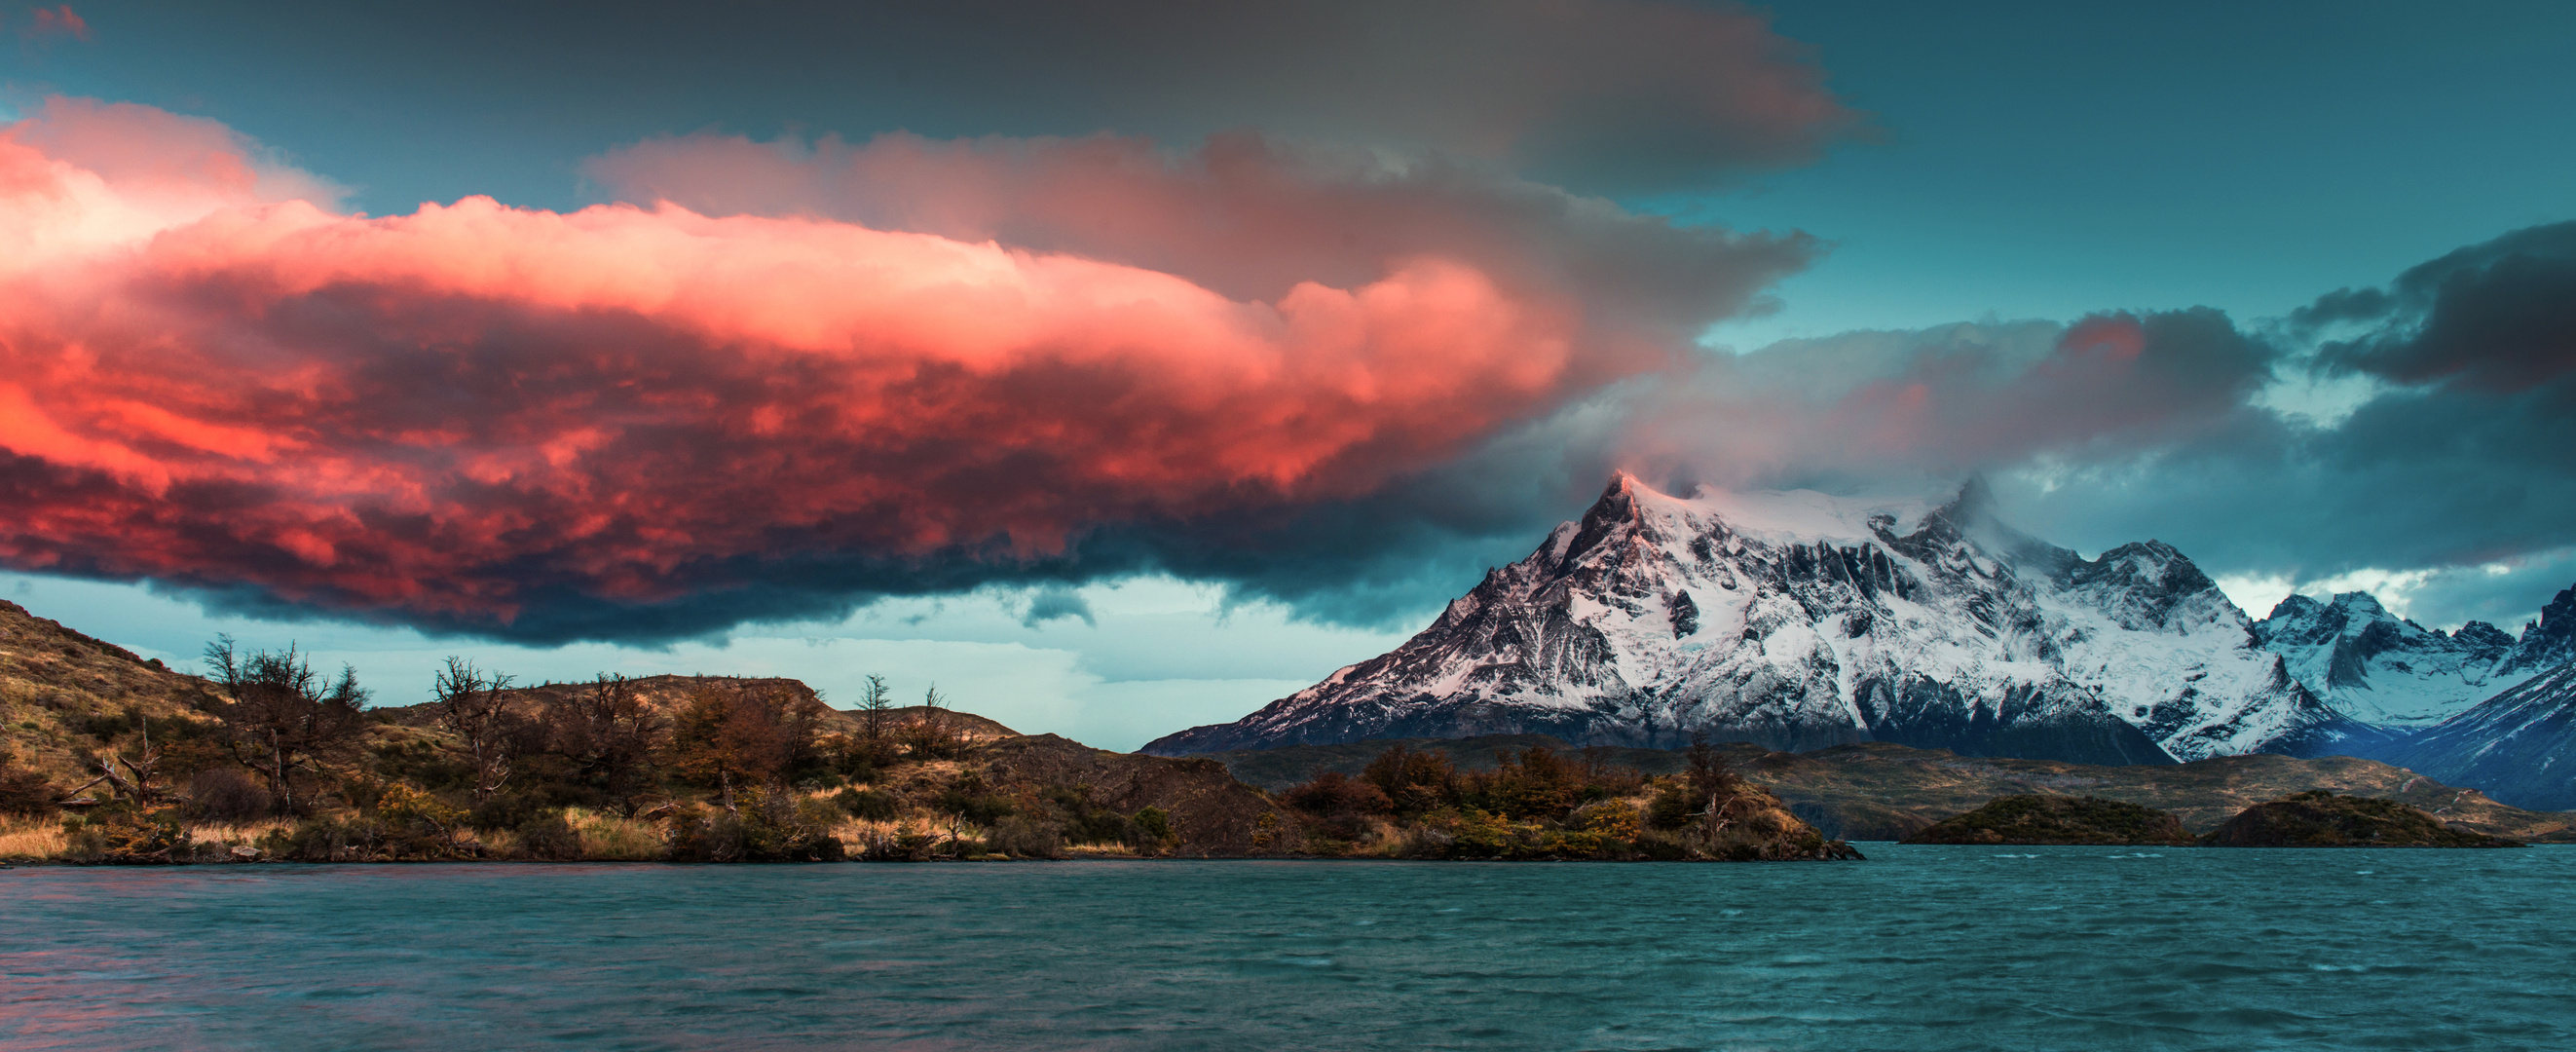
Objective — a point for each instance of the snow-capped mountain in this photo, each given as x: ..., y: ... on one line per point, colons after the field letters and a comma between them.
x: 2518, y: 747
x: 1799, y: 620
x: 2376, y: 667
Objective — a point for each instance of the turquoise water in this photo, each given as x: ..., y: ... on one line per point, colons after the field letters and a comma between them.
x: 1919, y: 948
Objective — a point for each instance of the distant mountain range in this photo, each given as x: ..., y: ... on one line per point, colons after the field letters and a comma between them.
x: 2379, y: 668
x: 1799, y: 620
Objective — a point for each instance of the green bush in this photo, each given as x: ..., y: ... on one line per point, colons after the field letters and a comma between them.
x: 1156, y: 825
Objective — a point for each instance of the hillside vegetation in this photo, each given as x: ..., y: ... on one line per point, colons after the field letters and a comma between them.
x: 115, y: 759
x: 2324, y: 819
x: 1879, y: 791
x: 112, y: 758
x: 2049, y: 819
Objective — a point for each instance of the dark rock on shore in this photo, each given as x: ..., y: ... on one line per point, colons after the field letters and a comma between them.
x: 2323, y: 819
x: 2054, y: 819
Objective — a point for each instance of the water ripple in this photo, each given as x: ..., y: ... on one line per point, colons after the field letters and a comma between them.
x: 1929, y: 948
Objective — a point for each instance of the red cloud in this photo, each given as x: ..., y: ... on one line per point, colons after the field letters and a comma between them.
x: 208, y: 377
x: 59, y: 19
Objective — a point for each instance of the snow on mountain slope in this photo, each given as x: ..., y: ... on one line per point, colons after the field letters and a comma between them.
x: 1799, y: 620
x: 2379, y: 668
x: 2375, y: 667
x: 2518, y: 747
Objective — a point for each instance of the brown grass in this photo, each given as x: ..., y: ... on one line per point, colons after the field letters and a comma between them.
x: 230, y: 833
x: 30, y: 839
x: 609, y: 838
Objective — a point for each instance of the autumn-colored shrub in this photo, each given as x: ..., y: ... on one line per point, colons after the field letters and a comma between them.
x: 1332, y: 793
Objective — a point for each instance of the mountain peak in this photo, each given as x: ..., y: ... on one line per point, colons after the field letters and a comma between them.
x: 2293, y: 605
x: 1799, y: 619
x: 1974, y: 504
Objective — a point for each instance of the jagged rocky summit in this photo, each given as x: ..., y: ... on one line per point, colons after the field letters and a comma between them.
x: 1800, y: 620
x: 2376, y: 667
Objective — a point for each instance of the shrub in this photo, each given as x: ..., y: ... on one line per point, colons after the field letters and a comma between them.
x: 609, y: 838
x: 25, y: 792
x: 105, y: 726
x: 548, y: 838
x: 229, y: 795
x: 1415, y: 782
x: 1156, y: 825
x: 324, y: 840
x: 1671, y: 807
x: 1331, y: 793
x: 126, y: 840
x: 969, y: 800
x: 872, y: 805
x: 1026, y: 837
x: 764, y: 828
x: 504, y: 811
x: 414, y: 824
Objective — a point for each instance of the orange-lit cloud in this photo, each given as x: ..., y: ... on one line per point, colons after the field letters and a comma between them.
x: 210, y: 376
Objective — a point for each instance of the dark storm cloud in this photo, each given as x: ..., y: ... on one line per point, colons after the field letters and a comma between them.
x: 2499, y: 316
x: 2461, y: 462
x: 1602, y: 95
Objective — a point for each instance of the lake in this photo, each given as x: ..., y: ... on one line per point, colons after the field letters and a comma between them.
x: 1918, y: 948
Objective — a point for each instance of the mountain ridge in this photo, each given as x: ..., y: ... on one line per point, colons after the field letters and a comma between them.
x: 1799, y: 621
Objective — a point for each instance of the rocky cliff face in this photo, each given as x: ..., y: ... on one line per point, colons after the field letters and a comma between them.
x: 2518, y: 747
x: 2378, y: 668
x: 1798, y: 621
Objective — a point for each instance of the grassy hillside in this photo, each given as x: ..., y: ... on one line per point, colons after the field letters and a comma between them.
x: 708, y: 768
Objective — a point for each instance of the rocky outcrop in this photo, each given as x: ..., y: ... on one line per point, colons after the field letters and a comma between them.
x: 2050, y: 819
x: 2324, y: 819
x: 1799, y: 621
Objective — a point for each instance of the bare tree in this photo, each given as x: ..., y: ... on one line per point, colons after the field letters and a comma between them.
x: 1712, y: 780
x: 474, y: 706
x: 282, y: 716
x: 609, y: 735
x: 874, y: 704
x: 135, y: 780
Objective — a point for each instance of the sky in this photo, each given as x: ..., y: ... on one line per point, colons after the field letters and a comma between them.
x: 1121, y: 367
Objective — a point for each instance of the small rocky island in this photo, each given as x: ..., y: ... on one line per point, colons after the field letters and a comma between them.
x: 2320, y: 818
x: 2047, y: 818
